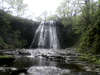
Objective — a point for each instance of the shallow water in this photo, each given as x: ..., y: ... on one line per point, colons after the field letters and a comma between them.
x: 44, y: 62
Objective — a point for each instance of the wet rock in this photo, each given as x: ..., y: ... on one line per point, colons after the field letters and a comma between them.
x: 23, y: 53
x: 6, y: 61
x: 19, y: 71
x: 46, y: 70
x: 47, y: 62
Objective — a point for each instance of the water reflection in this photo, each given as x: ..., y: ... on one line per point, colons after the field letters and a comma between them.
x: 22, y: 62
x: 49, y: 73
x: 45, y: 63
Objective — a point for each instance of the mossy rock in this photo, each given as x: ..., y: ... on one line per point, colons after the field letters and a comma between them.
x: 6, y: 60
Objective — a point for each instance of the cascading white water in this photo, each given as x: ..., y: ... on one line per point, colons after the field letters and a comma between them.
x: 54, y: 43
x: 46, y: 36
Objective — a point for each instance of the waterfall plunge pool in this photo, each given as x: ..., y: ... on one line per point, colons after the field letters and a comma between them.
x: 44, y: 62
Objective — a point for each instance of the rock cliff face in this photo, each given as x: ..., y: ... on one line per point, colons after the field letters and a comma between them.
x: 50, y: 34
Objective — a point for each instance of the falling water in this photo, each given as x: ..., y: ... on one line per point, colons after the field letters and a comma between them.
x: 46, y: 36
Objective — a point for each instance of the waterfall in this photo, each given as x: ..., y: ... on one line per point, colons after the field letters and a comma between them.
x: 46, y: 36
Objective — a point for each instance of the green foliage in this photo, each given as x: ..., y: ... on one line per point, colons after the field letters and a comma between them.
x: 88, y: 57
x: 93, y: 59
x: 90, y: 41
x: 14, y: 31
x: 86, y: 23
x: 53, y: 17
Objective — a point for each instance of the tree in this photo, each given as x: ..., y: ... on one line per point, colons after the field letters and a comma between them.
x: 44, y: 15
x: 39, y: 19
x: 52, y: 17
x: 90, y: 39
x: 17, y: 7
x: 69, y: 8
x: 2, y: 6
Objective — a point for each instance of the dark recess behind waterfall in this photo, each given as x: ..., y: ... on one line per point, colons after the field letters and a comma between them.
x: 28, y: 28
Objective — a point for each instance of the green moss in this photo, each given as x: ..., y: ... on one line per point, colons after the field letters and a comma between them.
x: 6, y: 56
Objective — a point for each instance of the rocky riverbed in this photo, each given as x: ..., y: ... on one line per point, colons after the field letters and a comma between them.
x: 45, y: 62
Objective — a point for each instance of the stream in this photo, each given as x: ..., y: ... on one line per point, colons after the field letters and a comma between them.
x: 45, y: 62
